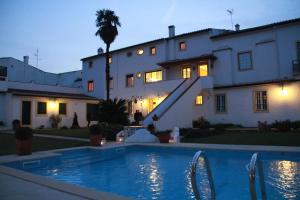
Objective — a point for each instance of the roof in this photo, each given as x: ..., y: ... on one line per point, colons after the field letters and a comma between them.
x: 35, y: 93
x: 256, y: 28
x: 180, y: 61
x: 149, y: 42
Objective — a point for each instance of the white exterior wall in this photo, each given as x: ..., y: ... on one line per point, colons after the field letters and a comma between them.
x: 73, y: 105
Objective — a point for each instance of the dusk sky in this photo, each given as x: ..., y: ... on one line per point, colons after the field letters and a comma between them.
x: 64, y: 30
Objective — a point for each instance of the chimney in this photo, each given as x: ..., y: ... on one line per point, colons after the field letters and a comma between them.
x: 26, y: 59
x: 171, y: 31
x: 237, y: 27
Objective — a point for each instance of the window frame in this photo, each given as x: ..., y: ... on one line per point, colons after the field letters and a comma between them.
x: 88, y: 86
x: 37, y: 108
x: 251, y: 60
x: 65, y: 114
x: 126, y: 80
x: 225, y: 104
x: 179, y: 46
x: 255, y: 110
x: 185, y: 67
x: 145, y: 73
x: 151, y: 53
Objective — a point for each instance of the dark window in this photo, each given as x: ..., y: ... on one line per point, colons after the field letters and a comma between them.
x: 90, y: 86
x: 245, y: 60
x: 129, y: 80
x: 3, y: 73
x: 152, y: 50
x: 90, y: 64
x: 129, y: 53
x: 220, y: 100
x: 41, y: 108
x: 92, y: 111
x: 182, y: 46
x: 62, y: 110
x: 261, y: 101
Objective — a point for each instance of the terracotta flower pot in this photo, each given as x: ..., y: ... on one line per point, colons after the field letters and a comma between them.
x: 164, y: 138
x: 24, y: 147
x: 95, y: 139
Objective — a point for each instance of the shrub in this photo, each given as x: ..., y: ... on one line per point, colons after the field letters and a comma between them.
x: 41, y: 127
x: 151, y: 128
x: 1, y: 123
x: 195, y: 133
x: 201, y: 123
x: 23, y: 133
x: 55, y: 120
x: 295, y: 124
x: 110, y: 131
x: 263, y: 126
x: 282, y: 125
x: 63, y: 127
x: 95, y: 129
x: 113, y: 111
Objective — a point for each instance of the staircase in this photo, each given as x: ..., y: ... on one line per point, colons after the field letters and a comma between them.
x: 167, y: 103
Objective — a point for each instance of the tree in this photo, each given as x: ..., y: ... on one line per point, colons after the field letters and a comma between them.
x: 107, y: 23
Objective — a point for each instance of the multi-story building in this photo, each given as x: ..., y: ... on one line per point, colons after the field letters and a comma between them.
x: 32, y: 96
x: 240, y: 76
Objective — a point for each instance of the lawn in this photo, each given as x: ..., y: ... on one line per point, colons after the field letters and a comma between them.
x: 79, y: 133
x: 250, y: 138
x: 7, y: 144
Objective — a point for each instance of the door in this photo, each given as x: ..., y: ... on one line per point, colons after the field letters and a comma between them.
x: 26, y: 113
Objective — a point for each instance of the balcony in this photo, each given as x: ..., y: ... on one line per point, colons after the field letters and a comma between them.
x: 296, y: 67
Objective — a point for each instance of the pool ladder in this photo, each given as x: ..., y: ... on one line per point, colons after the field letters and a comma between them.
x: 209, y: 175
x: 251, y: 167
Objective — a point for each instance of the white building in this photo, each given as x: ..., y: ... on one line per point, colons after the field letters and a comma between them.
x: 32, y: 96
x: 239, y: 77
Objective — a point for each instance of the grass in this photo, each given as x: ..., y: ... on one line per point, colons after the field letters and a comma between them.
x: 79, y: 133
x: 7, y: 144
x: 250, y: 138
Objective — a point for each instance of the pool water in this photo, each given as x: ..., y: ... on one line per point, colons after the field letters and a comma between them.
x: 144, y: 172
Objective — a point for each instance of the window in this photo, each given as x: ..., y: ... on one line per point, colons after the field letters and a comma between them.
x: 203, y: 70
x: 111, y: 83
x: 139, y: 51
x: 3, y: 73
x: 62, y: 108
x: 199, y: 100
x: 260, y: 101
x: 186, y: 72
x: 129, y: 80
x: 245, y: 60
x: 152, y: 50
x: 110, y: 59
x: 129, y: 53
x: 129, y: 107
x: 90, y: 86
x: 220, y: 102
x: 91, y: 111
x: 90, y: 64
x: 154, y: 76
x: 41, y: 108
x: 182, y: 46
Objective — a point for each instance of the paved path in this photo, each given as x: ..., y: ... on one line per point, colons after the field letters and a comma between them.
x: 62, y: 137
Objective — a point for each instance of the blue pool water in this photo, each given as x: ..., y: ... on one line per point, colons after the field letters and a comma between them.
x: 143, y: 172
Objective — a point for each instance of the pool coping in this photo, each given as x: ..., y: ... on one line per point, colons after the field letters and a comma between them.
x: 93, y: 194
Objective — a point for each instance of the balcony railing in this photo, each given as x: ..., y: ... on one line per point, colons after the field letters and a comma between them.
x: 296, y: 67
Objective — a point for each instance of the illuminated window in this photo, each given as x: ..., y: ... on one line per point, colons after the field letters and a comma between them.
x: 90, y: 64
x: 245, y: 60
x: 152, y: 50
x: 220, y: 103
x: 199, y: 100
x: 62, y: 108
x: 186, y: 72
x: 129, y: 80
x: 203, y: 70
x: 111, y: 83
x: 139, y: 51
x: 182, y: 46
x: 154, y: 76
x: 110, y: 59
x: 261, y: 101
x: 41, y: 108
x: 90, y: 86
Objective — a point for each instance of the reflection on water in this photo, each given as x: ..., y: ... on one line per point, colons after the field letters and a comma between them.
x: 284, y: 176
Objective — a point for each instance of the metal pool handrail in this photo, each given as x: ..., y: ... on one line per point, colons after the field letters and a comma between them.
x: 255, y: 162
x: 208, y: 171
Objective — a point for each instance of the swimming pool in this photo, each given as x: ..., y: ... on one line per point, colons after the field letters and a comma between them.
x: 152, y: 172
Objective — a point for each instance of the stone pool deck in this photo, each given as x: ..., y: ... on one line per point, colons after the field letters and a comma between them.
x: 16, y: 184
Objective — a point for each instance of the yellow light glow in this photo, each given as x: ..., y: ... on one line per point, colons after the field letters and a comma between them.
x: 284, y: 92
x: 139, y: 75
x: 53, y: 105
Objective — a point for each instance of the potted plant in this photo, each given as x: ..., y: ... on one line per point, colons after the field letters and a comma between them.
x: 23, y: 140
x: 95, y: 135
x: 164, y: 136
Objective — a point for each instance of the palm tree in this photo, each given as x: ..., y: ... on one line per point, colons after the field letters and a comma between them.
x: 107, y: 23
